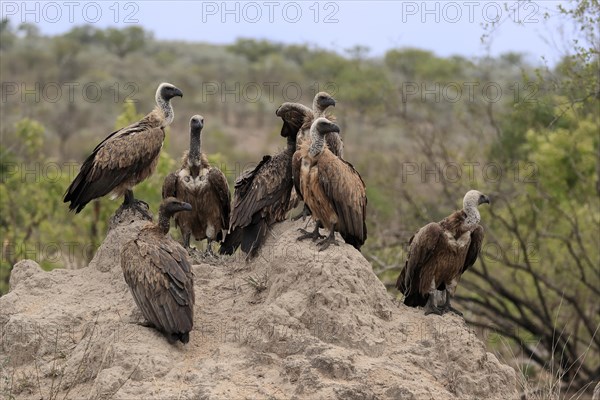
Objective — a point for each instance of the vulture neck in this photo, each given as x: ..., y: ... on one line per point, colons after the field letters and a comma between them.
x: 317, y: 143
x: 194, y: 154
x: 291, y: 143
x: 163, y: 222
x: 317, y: 110
x: 473, y: 216
x: 166, y: 108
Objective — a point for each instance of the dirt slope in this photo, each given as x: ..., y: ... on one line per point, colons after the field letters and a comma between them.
x: 295, y: 323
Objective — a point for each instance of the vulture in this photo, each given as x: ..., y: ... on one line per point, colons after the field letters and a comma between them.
x: 205, y: 188
x: 439, y: 253
x: 159, y: 275
x: 334, y: 142
x: 332, y: 189
x: 125, y: 158
x: 262, y: 196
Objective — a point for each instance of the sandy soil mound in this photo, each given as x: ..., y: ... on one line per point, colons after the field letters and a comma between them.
x: 294, y: 323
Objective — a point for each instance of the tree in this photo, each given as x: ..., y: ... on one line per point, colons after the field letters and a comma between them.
x: 538, y: 282
x: 124, y: 41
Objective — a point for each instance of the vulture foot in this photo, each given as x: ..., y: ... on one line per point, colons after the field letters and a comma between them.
x: 314, y: 235
x: 429, y: 309
x: 209, y: 254
x: 141, y: 207
x: 325, y: 243
x: 447, y: 307
x: 137, y: 205
x: 452, y: 309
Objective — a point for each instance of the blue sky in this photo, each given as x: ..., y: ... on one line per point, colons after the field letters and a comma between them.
x: 445, y: 27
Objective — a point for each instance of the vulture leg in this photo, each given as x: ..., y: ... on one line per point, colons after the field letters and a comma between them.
x: 314, y: 235
x: 325, y: 243
x: 138, y: 205
x: 186, y: 240
x: 209, y: 250
x: 447, y: 307
x: 430, y: 307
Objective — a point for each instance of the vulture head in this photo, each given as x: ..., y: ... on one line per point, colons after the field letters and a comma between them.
x: 322, y: 126
x: 473, y: 198
x: 171, y: 206
x: 197, y: 123
x: 294, y: 115
x: 322, y: 101
x: 166, y: 92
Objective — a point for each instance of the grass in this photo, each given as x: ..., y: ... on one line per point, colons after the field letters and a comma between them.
x: 259, y: 283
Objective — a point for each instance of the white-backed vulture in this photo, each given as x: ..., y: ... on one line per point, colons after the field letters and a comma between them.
x: 262, y: 195
x: 321, y: 102
x: 125, y: 158
x: 159, y: 275
x: 205, y: 188
x: 439, y: 253
x: 332, y: 189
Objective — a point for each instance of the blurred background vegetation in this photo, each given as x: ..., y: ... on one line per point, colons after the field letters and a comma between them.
x: 421, y: 130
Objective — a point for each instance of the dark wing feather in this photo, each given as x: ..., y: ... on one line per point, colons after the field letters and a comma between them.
x: 268, y: 185
x: 124, y: 154
x: 346, y: 191
x: 169, y: 188
x: 296, y: 167
x: 422, y: 248
x: 261, y: 198
x: 218, y: 183
x: 474, y: 248
x: 159, y: 274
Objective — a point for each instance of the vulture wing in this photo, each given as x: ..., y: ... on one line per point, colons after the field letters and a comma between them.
x: 169, y: 188
x: 418, y: 267
x: 262, y: 187
x: 474, y: 248
x: 219, y: 185
x: 124, y: 154
x: 296, y: 166
x: 345, y: 189
x: 261, y: 197
x: 161, y: 282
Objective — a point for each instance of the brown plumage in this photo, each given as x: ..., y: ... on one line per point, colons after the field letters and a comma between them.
x: 204, y: 187
x: 333, y: 189
x: 125, y: 158
x: 159, y: 275
x: 262, y: 195
x: 321, y: 102
x: 439, y: 253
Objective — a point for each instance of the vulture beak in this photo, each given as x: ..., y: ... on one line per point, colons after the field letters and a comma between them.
x: 186, y: 207
x: 330, y: 102
x: 177, y: 92
x: 484, y: 199
x: 334, y: 128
